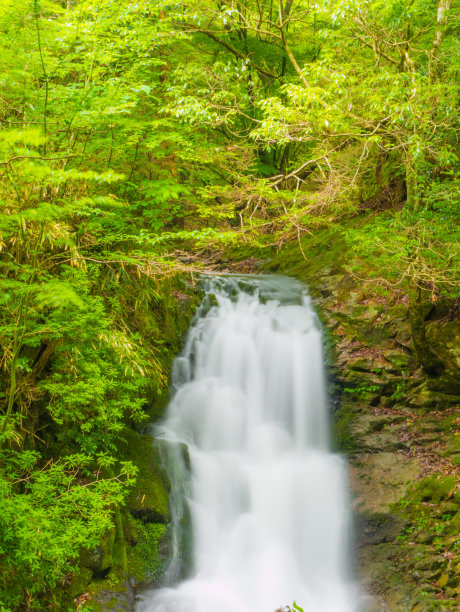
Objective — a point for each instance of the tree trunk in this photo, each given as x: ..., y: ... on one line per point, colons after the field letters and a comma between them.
x: 441, y: 22
x: 412, y: 188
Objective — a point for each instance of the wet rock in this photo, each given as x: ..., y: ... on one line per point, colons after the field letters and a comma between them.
x: 376, y: 434
x: 116, y: 601
x: 368, y: 423
x: 373, y: 604
x: 376, y: 528
x: 383, y: 442
x: 149, y: 550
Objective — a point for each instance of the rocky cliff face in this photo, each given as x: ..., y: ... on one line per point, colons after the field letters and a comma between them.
x: 400, y: 429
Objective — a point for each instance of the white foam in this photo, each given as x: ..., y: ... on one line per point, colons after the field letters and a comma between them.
x: 268, y: 500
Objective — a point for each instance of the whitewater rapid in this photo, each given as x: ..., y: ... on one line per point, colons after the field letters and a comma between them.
x: 260, y: 504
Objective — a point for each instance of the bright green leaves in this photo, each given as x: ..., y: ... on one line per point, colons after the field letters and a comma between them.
x: 162, y: 202
x: 60, y: 509
x: 86, y: 165
x: 57, y: 294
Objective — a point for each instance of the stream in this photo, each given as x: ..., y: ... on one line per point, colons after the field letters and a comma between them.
x: 260, y: 508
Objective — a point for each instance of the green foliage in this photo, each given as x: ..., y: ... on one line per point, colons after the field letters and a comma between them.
x: 48, y: 514
x: 130, y: 130
x: 75, y: 371
x: 411, y: 245
x: 362, y: 390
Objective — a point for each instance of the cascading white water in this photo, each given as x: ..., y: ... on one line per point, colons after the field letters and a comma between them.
x: 267, y: 498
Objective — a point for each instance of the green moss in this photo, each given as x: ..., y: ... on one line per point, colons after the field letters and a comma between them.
x: 145, y: 562
x: 434, y: 488
x: 344, y: 439
x: 80, y: 582
x: 100, y: 559
x: 324, y: 251
x: 91, y: 606
x: 401, y: 361
x: 149, y: 497
x: 453, y: 527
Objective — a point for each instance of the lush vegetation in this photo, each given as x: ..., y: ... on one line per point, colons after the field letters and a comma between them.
x: 132, y: 132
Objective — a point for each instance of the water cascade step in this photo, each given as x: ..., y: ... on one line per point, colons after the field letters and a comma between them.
x: 264, y: 498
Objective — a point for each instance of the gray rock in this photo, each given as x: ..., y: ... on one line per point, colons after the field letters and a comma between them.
x: 377, y: 528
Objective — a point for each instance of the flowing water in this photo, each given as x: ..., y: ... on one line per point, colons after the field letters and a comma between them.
x: 253, y: 474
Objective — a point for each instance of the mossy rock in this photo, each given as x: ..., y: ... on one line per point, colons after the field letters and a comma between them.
x: 110, y: 597
x: 422, y: 397
x: 380, y: 479
x: 91, y: 606
x: 149, y: 497
x: 148, y: 551
x: 400, y: 360
x: 366, y: 315
x: 444, y: 339
x: 360, y: 364
x: 447, y: 383
x: 99, y: 560
x: 395, y: 324
x: 434, y: 488
x: 80, y: 582
x: 427, y: 396
x: 431, y: 563
x: 345, y: 438
x: 453, y: 526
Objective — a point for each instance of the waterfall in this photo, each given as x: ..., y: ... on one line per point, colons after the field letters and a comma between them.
x: 253, y: 472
